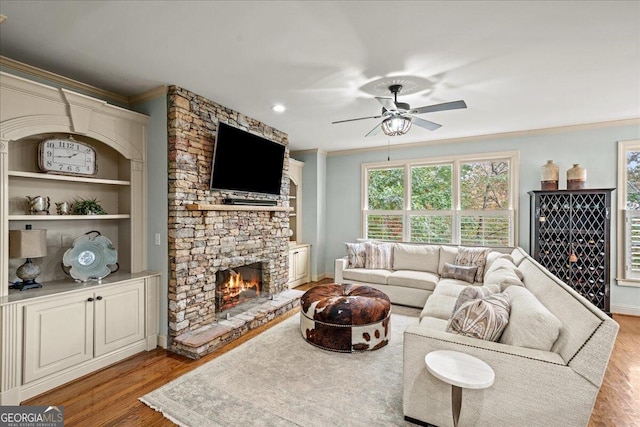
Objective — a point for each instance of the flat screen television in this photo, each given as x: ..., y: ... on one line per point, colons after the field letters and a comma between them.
x: 246, y: 162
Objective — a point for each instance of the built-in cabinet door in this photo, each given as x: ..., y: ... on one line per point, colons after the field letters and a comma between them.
x: 119, y: 317
x: 302, y: 262
x: 58, y: 334
x: 292, y: 265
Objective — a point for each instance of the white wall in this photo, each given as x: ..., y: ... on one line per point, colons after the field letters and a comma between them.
x: 594, y: 147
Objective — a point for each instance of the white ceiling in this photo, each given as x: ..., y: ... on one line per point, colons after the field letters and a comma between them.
x: 518, y: 65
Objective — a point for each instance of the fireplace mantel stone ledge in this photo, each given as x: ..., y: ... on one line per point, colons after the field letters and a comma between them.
x: 210, y: 207
x: 206, y: 339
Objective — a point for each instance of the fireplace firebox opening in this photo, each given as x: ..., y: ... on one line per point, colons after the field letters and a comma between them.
x: 239, y: 285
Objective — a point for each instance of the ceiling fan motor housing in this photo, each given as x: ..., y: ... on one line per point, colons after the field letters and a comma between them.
x: 399, y: 106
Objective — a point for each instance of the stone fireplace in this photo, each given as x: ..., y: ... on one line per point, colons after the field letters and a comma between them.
x: 208, y: 240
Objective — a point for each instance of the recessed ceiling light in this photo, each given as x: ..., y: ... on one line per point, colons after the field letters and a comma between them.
x: 278, y: 108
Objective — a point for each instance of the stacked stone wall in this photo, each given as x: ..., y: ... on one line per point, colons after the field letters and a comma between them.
x: 201, y: 242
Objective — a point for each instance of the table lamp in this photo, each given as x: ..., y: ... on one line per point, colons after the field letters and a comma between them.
x: 27, y: 244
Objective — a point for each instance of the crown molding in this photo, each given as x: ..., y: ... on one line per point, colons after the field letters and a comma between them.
x: 65, y: 81
x: 541, y: 131
x: 309, y: 151
x: 158, y: 92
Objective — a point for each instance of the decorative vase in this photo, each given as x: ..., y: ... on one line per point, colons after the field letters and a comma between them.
x: 549, y: 175
x: 576, y: 177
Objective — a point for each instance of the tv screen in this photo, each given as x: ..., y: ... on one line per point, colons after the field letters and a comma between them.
x: 243, y: 161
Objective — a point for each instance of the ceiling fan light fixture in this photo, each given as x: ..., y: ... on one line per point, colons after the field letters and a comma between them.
x: 396, y: 126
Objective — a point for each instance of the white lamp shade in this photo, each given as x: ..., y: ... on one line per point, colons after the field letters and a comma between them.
x: 27, y: 243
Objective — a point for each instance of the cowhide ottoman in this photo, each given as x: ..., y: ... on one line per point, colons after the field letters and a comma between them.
x: 345, y: 318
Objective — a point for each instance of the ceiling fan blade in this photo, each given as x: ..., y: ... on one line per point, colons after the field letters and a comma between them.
x: 439, y: 107
x: 353, y: 120
x: 424, y: 123
x: 387, y: 103
x: 375, y: 130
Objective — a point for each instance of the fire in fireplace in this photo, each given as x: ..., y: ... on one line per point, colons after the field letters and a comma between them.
x: 238, y: 285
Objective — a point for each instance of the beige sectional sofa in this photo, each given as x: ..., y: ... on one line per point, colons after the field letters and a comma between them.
x: 549, y: 361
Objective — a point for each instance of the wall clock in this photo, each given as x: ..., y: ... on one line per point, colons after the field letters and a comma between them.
x: 66, y: 156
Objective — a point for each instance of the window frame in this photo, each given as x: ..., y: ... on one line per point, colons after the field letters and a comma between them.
x: 513, y: 157
x: 624, y: 275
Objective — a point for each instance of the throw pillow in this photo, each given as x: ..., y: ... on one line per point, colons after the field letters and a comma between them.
x: 356, y: 253
x: 377, y: 256
x: 475, y: 292
x: 483, y: 318
x: 471, y: 257
x: 460, y: 272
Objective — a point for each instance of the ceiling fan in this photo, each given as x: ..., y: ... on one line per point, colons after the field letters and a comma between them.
x: 399, y: 116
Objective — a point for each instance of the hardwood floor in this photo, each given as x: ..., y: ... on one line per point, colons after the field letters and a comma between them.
x: 110, y: 397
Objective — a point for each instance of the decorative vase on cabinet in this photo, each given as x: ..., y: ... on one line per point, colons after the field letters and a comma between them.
x: 570, y: 236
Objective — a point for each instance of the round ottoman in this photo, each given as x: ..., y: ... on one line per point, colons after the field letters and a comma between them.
x: 345, y: 318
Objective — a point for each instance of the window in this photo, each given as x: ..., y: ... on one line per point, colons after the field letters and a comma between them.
x: 629, y: 208
x: 468, y: 200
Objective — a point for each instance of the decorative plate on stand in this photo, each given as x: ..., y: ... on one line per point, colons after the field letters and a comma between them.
x: 91, y: 257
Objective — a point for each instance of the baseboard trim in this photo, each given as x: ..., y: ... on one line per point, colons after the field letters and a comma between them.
x: 625, y: 309
x: 162, y: 341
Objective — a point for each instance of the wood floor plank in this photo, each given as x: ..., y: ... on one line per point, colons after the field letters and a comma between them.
x: 110, y: 397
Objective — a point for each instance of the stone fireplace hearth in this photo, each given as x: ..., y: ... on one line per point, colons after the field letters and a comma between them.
x: 207, y: 238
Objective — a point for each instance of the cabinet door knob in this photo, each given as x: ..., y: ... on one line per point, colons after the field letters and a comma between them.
x: 99, y: 298
x: 90, y: 299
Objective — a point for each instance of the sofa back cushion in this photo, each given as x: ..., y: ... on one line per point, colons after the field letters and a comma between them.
x: 447, y: 255
x: 416, y: 257
x: 531, y: 324
x: 518, y: 255
x: 579, y: 320
x: 494, y: 255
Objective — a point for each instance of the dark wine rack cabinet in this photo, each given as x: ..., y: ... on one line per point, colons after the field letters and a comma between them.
x: 570, y: 236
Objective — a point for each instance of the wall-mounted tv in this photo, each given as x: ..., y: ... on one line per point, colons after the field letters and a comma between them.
x: 246, y: 162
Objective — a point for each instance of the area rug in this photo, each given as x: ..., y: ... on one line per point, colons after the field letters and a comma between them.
x: 278, y: 379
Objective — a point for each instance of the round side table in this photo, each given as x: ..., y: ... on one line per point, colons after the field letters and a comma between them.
x: 461, y: 371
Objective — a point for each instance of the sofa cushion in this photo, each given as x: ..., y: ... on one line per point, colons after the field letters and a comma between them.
x: 475, y: 292
x: 484, y: 318
x: 365, y: 275
x: 447, y: 255
x: 473, y: 257
x: 413, y: 279
x: 416, y: 257
x: 460, y: 272
x: 433, y: 324
x: 517, y: 256
x: 503, y: 277
x: 504, y: 263
x: 438, y: 306
x: 531, y: 324
x: 494, y: 255
x: 450, y: 287
x: 356, y: 254
x: 378, y: 255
